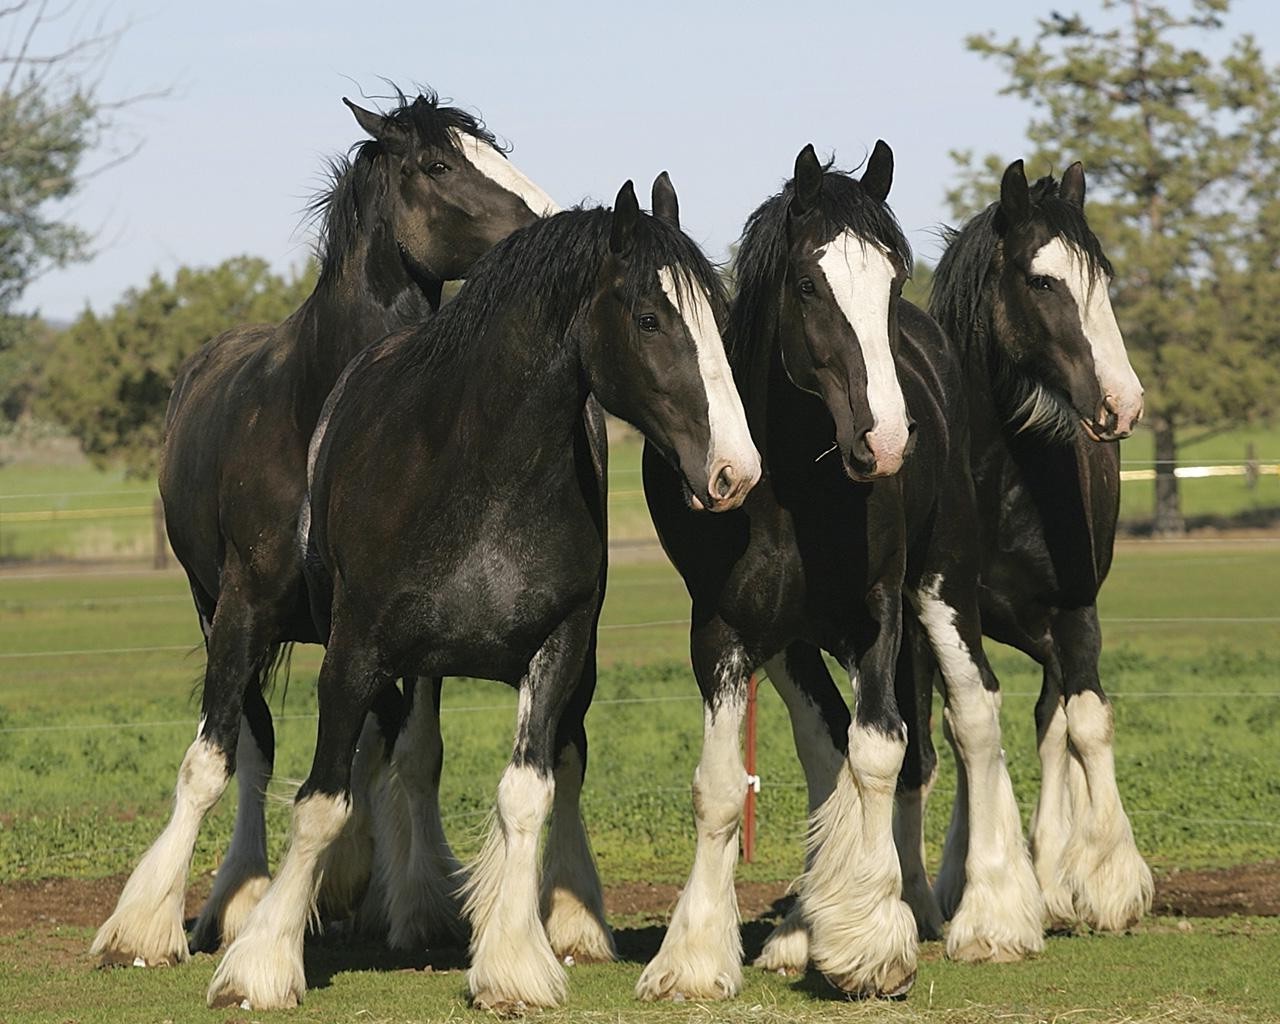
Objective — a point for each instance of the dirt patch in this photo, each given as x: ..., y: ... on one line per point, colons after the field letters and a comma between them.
x: 71, y: 902
x: 1252, y: 889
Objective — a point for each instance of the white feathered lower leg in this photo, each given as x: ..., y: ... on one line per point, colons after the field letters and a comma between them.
x: 701, y: 954
x: 572, y: 900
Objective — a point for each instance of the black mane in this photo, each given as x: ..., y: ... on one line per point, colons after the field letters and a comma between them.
x: 340, y: 209
x: 763, y: 249
x: 549, y: 269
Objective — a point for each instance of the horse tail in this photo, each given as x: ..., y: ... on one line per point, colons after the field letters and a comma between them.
x: 275, y: 669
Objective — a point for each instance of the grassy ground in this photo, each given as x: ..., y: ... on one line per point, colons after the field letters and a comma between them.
x: 91, y: 736
x: 96, y: 675
x: 1212, y: 972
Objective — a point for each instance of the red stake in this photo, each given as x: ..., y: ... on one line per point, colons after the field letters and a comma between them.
x: 753, y: 780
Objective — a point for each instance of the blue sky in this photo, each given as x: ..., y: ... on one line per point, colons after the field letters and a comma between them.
x: 720, y: 94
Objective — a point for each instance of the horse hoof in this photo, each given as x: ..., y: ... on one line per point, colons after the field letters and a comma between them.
x: 896, y: 985
x: 111, y: 958
x: 499, y: 1005
x: 234, y: 1000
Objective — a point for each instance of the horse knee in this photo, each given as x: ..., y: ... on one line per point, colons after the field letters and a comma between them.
x: 876, y: 756
x: 1090, y: 723
x: 973, y: 722
x: 524, y: 799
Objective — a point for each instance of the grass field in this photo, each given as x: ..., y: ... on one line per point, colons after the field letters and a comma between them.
x: 96, y: 709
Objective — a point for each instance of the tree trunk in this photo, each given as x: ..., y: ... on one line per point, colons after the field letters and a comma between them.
x: 1168, y: 511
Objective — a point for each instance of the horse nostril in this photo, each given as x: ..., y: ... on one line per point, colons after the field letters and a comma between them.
x: 723, y: 485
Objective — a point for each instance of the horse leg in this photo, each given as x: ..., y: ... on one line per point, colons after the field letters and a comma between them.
x: 1051, y: 822
x: 820, y: 727
x: 420, y: 878
x: 701, y: 954
x: 243, y: 875
x: 350, y: 882
x: 862, y: 936
x: 263, y: 968
x: 572, y: 899
x: 913, y: 682
x: 512, y: 962
x: 146, y: 927
x: 1000, y: 914
x: 1101, y: 865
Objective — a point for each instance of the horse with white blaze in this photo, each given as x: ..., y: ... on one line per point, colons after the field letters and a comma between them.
x: 456, y: 508
x: 857, y: 404
x: 1022, y: 289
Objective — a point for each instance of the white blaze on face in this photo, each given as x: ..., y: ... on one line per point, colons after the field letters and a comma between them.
x: 501, y: 171
x: 1116, y: 378
x: 731, y: 442
x: 861, y: 276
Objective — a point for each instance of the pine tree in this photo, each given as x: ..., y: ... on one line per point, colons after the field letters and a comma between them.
x: 1182, y: 152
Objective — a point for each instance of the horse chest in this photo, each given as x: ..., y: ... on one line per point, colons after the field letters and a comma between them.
x: 484, y: 600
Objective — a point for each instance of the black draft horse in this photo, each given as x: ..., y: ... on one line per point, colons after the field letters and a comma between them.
x: 414, y: 206
x: 1022, y: 290
x: 821, y: 556
x: 457, y: 509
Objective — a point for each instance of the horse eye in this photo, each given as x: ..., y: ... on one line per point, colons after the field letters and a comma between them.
x: 807, y: 287
x: 1039, y: 283
x: 437, y: 168
x: 648, y: 322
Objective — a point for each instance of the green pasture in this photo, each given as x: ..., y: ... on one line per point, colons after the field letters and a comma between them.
x: 1214, y: 973
x: 96, y: 708
x: 73, y: 511
x: 97, y: 670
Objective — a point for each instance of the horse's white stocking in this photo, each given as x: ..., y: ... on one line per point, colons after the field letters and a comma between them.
x: 786, y: 951
x: 701, y: 954
x: 948, y: 883
x: 262, y: 969
x: 1051, y: 826
x: 1110, y: 881
x: 243, y: 876
x: 420, y: 880
x: 1000, y: 916
x: 512, y: 963
x: 146, y: 929
x: 572, y: 900
x: 861, y: 935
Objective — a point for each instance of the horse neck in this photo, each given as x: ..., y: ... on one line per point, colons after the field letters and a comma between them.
x: 524, y: 382
x: 367, y: 295
x: 1073, y: 485
x: 752, y: 376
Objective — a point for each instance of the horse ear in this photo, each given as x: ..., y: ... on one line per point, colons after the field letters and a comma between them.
x: 1015, y: 200
x: 1072, y: 187
x: 383, y: 129
x: 877, y: 179
x: 666, y: 205
x: 808, y: 181
x: 626, y: 215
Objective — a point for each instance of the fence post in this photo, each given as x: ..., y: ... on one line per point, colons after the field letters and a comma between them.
x: 753, y: 780
x: 160, y: 553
